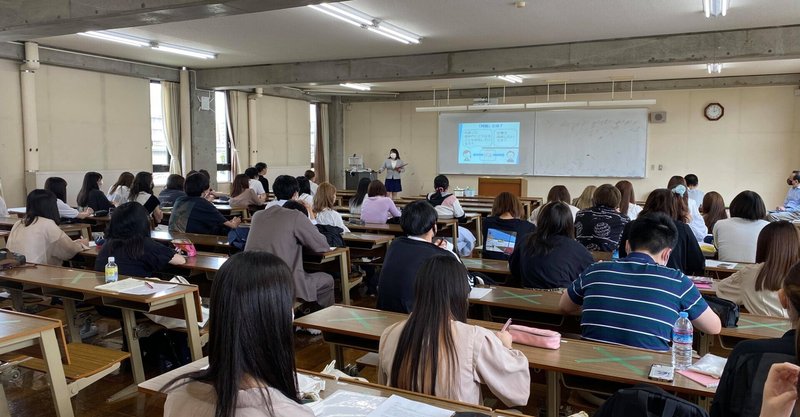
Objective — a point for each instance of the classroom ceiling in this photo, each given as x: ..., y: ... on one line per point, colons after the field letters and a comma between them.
x: 302, y: 34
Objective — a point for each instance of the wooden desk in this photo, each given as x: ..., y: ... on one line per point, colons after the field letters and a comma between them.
x: 154, y: 387
x: 721, y: 272
x: 213, y: 241
x: 203, y: 262
x: 343, y: 256
x: 17, y: 211
x: 487, y: 266
x: 84, y: 229
x: 366, y: 240
x: 17, y: 331
x: 361, y: 328
x: 73, y: 284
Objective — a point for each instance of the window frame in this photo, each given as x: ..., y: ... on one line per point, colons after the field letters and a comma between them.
x: 157, y: 167
x: 227, y: 166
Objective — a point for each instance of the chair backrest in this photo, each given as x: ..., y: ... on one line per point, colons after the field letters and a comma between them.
x: 648, y: 401
x: 602, y: 256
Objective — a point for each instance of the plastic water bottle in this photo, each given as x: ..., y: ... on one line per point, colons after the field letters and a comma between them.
x: 112, y: 272
x: 615, y: 255
x: 682, y: 334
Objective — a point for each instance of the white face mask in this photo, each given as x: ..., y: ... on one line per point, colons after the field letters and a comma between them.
x: 393, y: 155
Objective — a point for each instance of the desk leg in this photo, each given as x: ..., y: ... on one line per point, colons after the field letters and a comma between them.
x: 129, y: 327
x: 4, y: 403
x: 455, y: 236
x: 70, y: 312
x: 17, y: 301
x: 479, y: 230
x: 55, y: 374
x: 193, y: 333
x: 86, y: 232
x: 344, y: 271
x: 705, y: 344
x: 553, y: 393
x: 337, y: 353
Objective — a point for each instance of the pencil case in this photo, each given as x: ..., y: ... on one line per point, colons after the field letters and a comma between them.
x: 531, y: 336
x: 184, y: 247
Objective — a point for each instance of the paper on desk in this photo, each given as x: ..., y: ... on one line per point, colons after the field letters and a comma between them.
x: 134, y: 286
x: 477, y: 293
x: 718, y: 264
x: 347, y: 403
x: 397, y: 406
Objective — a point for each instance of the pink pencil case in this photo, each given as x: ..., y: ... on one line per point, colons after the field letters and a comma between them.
x: 185, y: 247
x: 532, y: 336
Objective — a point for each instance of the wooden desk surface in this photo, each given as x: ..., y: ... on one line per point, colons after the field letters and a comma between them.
x: 14, y: 325
x: 203, y: 262
x: 487, y: 266
x: 8, y: 222
x: 575, y: 357
x: 752, y: 326
x: 197, y: 239
x: 521, y: 299
x: 722, y: 268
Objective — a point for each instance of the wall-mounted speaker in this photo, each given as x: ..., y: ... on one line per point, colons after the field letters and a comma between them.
x: 657, y: 117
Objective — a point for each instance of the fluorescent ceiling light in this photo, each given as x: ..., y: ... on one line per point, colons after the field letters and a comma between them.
x: 358, y: 18
x: 479, y: 107
x: 556, y: 105
x: 622, y: 103
x: 715, y: 8
x: 355, y: 86
x: 115, y: 37
x: 513, y: 79
x: 714, y: 67
x: 440, y: 109
x: 184, y: 51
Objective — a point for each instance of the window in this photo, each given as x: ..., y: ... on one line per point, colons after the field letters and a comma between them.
x: 312, y: 109
x: 223, y: 154
x: 160, y: 154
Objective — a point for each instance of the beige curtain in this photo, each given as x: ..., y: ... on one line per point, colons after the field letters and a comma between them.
x: 170, y: 102
x: 233, y: 130
x: 322, y: 143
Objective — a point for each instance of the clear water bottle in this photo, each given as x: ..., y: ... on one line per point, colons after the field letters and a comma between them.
x: 112, y: 272
x: 682, y: 334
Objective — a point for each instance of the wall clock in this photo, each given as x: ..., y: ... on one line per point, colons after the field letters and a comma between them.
x: 714, y: 112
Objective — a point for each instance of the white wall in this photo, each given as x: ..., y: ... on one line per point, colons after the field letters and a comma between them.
x: 754, y: 146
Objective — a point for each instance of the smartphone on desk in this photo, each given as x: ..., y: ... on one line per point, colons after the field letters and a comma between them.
x: 663, y: 373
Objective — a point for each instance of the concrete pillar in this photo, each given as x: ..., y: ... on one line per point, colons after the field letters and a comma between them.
x: 30, y: 131
x: 336, y: 142
x: 186, y: 121
x: 252, y: 126
x: 204, y: 139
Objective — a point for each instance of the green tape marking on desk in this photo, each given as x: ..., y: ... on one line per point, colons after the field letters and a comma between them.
x: 783, y: 327
x: 526, y: 297
x: 10, y: 321
x: 620, y: 360
x: 79, y: 276
x: 360, y: 319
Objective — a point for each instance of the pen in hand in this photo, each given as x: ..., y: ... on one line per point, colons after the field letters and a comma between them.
x: 505, y: 326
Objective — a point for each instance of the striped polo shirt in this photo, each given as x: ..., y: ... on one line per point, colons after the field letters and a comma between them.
x: 634, y: 301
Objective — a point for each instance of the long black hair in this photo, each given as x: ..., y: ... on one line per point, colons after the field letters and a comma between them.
x: 426, y: 346
x: 57, y: 186
x: 555, y: 219
x: 90, y: 183
x: 41, y: 203
x: 361, y: 192
x: 250, y: 330
x: 143, y: 183
x: 128, y: 229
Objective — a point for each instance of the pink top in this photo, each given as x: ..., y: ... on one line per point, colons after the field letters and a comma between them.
x: 378, y: 210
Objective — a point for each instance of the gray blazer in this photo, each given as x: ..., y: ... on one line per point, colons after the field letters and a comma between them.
x: 391, y: 174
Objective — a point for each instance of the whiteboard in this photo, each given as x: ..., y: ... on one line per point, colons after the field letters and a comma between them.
x: 591, y: 143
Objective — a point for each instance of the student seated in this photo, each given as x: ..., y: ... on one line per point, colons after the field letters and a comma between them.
x: 251, y: 303
x: 172, y: 191
x: 262, y: 173
x: 586, y: 199
x: 285, y: 232
x: 550, y: 257
x: 254, y: 183
x: 58, y: 186
x: 377, y: 207
x: 504, y: 228
x: 556, y: 193
x: 406, y: 255
x: 142, y: 193
x: 324, y: 202
x: 756, y: 286
x: 195, y: 214
x: 38, y: 236
x: 358, y: 199
x: 446, y: 204
x: 128, y: 241
x: 694, y: 193
x: 599, y: 228
x: 304, y: 191
x: 120, y: 191
x: 636, y: 300
x: 436, y: 352
x: 678, y: 185
x: 740, y: 389
x: 90, y: 194
x: 790, y: 210
x: 310, y: 176
x: 285, y: 188
x: 627, y: 202
x: 713, y: 209
x: 686, y: 255
x: 736, y: 238
x: 242, y: 196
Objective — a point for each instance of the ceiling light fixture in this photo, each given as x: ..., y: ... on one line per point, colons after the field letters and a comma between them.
x: 180, y: 50
x: 358, y: 18
x: 436, y: 109
x: 714, y: 67
x: 513, y: 79
x: 715, y: 8
x: 141, y: 42
x: 356, y: 86
x: 483, y: 107
x: 118, y: 38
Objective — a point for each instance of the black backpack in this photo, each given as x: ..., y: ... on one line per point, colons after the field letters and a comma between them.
x: 333, y: 234
x: 727, y: 310
x: 644, y: 400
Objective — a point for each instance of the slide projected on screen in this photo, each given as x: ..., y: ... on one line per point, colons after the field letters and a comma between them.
x: 495, y: 143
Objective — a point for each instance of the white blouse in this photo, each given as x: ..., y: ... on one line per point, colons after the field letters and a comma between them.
x: 331, y: 218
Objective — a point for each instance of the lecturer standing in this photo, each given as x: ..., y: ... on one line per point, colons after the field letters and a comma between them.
x: 394, y: 167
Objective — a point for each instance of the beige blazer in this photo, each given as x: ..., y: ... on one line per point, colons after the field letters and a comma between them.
x: 741, y: 289
x: 196, y: 399
x: 43, y: 242
x: 481, y: 359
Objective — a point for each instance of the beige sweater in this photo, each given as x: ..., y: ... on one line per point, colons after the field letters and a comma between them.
x: 43, y: 242
x: 197, y: 399
x: 481, y: 359
x: 741, y: 289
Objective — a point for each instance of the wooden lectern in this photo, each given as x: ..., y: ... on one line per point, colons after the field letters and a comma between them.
x: 491, y: 186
